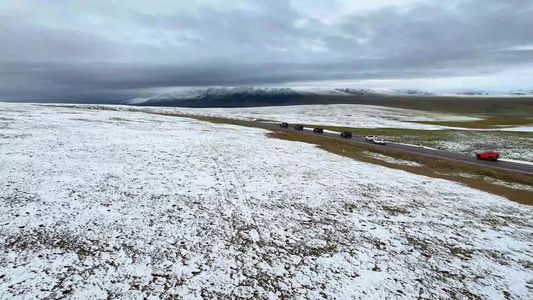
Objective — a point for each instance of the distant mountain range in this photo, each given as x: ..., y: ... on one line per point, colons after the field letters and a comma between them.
x: 507, y: 93
x: 267, y: 96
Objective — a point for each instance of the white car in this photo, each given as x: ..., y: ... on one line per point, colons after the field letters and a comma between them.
x: 370, y: 137
x: 378, y: 140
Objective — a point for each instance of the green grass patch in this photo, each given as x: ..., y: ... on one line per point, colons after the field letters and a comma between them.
x: 488, y: 106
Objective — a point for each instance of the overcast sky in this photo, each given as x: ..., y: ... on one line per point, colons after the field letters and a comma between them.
x: 113, y: 50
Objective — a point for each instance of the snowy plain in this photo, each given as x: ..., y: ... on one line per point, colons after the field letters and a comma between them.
x: 517, y: 146
x: 465, y: 141
x: 98, y: 204
x: 352, y: 115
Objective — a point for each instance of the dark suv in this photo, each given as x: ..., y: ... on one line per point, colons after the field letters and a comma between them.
x: 284, y: 125
x: 318, y: 130
x: 299, y: 127
x: 346, y: 134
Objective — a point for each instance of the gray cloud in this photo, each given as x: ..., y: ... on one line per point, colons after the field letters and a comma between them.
x: 73, y: 52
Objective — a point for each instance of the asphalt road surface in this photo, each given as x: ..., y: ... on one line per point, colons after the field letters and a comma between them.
x: 471, y: 159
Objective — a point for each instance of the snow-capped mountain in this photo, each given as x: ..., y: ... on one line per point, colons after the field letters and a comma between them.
x: 232, y: 94
x: 519, y: 92
x: 480, y: 93
x: 271, y: 96
x: 414, y: 92
x: 214, y: 93
x: 362, y: 92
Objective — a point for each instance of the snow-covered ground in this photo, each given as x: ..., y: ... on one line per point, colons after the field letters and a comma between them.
x: 117, y: 204
x: 517, y: 161
x: 518, y: 149
x: 519, y: 128
x: 393, y: 160
x: 352, y: 115
x: 466, y: 141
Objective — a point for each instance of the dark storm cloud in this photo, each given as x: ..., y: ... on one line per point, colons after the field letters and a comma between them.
x: 24, y: 41
x: 97, y: 55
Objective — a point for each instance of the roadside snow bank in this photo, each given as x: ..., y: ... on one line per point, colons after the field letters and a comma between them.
x: 392, y: 159
x: 517, y: 161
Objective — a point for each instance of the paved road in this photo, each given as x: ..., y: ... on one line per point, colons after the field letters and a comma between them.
x: 471, y: 159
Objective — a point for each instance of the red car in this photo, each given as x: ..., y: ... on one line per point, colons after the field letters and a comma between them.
x: 488, y: 155
x: 318, y: 130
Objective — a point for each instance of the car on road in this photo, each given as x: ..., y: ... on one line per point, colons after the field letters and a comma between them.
x: 284, y: 125
x: 299, y: 127
x: 370, y: 138
x: 380, y: 141
x: 346, y: 134
x: 488, y: 155
x: 318, y: 130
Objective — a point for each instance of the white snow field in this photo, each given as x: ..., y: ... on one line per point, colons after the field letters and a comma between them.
x: 128, y: 205
x: 353, y: 115
x: 463, y: 140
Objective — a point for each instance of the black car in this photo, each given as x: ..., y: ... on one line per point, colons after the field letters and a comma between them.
x: 284, y: 125
x: 318, y: 130
x: 299, y: 127
x: 346, y: 134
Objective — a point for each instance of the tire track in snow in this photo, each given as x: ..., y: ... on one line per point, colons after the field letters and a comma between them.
x: 242, y: 202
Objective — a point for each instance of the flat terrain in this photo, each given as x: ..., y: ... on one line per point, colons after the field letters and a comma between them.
x: 117, y: 204
x: 486, y: 123
x: 489, y: 105
x: 459, y: 133
x: 504, y: 165
x: 352, y: 115
x: 521, y: 106
x: 513, y: 180
x: 515, y: 145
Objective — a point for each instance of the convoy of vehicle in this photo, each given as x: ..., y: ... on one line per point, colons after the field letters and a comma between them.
x: 487, y: 155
